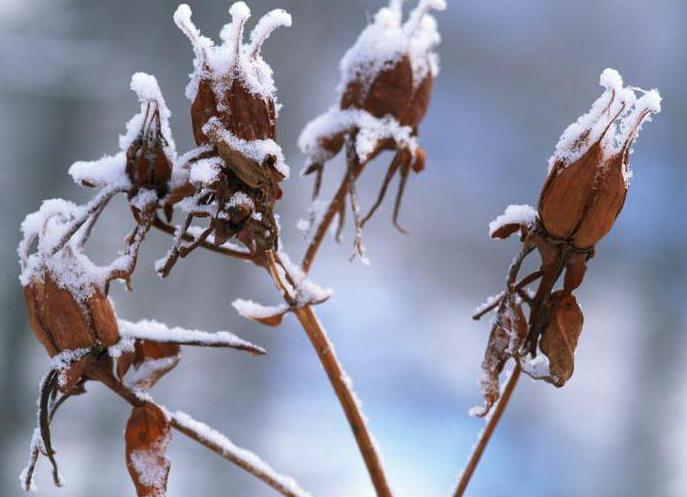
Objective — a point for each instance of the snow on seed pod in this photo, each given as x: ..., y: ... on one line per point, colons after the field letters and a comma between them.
x: 589, y: 172
x: 64, y: 290
x: 385, y: 87
x: 234, y: 98
x: 150, y: 155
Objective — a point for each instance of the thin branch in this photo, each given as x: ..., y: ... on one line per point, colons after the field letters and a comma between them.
x: 523, y: 283
x: 94, y: 206
x: 486, y: 434
x: 242, y: 458
x: 169, y: 229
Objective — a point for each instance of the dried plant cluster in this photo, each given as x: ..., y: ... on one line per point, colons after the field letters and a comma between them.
x: 589, y: 175
x: 226, y: 191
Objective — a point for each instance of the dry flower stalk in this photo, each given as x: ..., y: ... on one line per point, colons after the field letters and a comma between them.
x: 582, y: 197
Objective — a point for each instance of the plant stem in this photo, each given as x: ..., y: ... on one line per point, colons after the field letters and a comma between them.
x: 339, y: 381
x: 486, y: 434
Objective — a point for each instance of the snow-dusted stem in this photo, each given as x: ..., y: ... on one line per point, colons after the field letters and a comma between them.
x: 240, y: 457
x: 353, y: 170
x: 337, y: 376
x: 486, y: 434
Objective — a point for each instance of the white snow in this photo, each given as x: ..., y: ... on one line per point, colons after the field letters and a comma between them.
x: 233, y: 59
x: 108, y: 170
x: 488, y: 302
x: 306, y: 291
x: 240, y: 456
x: 371, y: 131
x: 151, y: 471
x: 206, y: 171
x: 254, y: 311
x: 515, y: 214
x: 71, y: 269
x: 257, y: 150
x: 138, y: 377
x: 613, y: 120
x: 537, y: 367
x: 148, y: 329
x: 387, y: 39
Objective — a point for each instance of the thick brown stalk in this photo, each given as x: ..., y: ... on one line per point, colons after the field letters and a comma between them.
x: 486, y: 434
x: 337, y: 377
x: 336, y: 374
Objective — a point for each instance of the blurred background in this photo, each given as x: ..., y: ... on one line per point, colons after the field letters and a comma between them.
x: 514, y: 74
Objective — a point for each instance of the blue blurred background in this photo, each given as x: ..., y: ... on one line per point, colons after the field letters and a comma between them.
x: 514, y: 74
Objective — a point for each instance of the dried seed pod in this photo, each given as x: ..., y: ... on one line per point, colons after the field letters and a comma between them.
x: 386, y: 82
x: 233, y: 113
x: 62, y: 321
x: 232, y: 87
x: 147, y: 150
x: 395, y: 78
x: 147, y: 435
x: 149, y: 157
x: 589, y: 172
x: 559, y: 339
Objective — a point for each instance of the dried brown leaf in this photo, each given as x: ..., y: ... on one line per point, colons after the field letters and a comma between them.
x: 147, y: 436
x: 559, y: 339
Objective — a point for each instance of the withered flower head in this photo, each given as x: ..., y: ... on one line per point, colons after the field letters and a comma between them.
x: 589, y: 172
x: 232, y: 88
x: 65, y: 292
x: 386, y: 81
x: 233, y: 176
x: 143, y: 168
x: 584, y: 193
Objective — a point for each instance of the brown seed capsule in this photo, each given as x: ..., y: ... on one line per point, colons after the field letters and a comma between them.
x: 559, y: 339
x: 589, y: 173
x: 61, y: 322
x: 147, y: 165
x: 231, y: 82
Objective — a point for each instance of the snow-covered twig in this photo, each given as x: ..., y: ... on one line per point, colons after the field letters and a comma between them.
x: 155, y: 331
